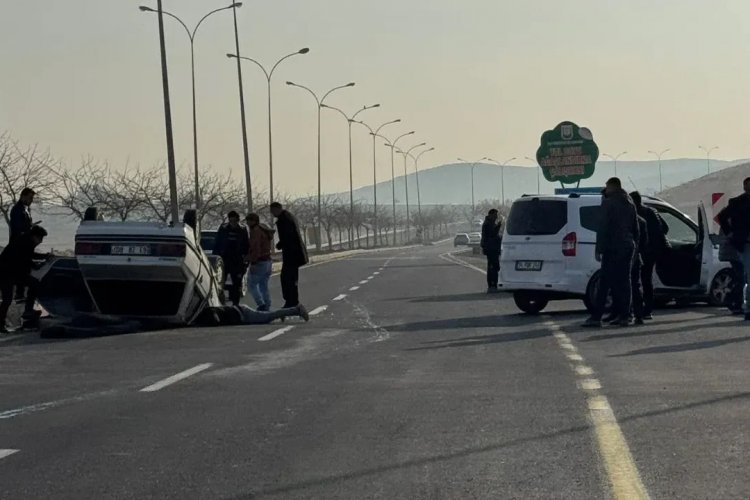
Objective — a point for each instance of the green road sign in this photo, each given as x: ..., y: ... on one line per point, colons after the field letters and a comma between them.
x: 567, y: 153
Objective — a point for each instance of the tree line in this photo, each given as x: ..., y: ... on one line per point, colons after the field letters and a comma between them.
x: 134, y: 192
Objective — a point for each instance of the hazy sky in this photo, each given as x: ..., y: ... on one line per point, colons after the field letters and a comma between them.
x: 472, y: 77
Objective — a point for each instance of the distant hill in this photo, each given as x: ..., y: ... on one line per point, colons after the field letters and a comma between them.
x: 686, y: 196
x: 451, y: 184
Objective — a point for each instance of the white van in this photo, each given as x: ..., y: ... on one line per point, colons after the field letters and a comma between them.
x: 549, y: 244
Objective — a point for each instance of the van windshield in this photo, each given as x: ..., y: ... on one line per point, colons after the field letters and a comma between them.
x: 537, y: 217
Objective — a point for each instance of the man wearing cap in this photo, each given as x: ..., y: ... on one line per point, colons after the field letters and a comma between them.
x: 232, y: 245
x: 490, y: 243
x: 16, y: 264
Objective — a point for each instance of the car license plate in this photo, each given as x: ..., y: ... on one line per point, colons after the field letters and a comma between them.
x: 528, y: 265
x: 131, y: 250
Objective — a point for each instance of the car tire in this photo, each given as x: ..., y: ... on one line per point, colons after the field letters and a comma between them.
x: 721, y: 288
x: 529, y: 302
x: 590, y: 298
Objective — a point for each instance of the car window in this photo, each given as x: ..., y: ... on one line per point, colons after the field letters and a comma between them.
x: 533, y: 216
x: 680, y: 231
x: 590, y: 217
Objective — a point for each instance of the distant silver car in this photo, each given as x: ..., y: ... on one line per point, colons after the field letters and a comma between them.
x: 461, y: 239
x: 475, y: 242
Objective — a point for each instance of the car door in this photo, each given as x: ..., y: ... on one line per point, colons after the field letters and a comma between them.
x: 706, y: 245
x: 681, y: 266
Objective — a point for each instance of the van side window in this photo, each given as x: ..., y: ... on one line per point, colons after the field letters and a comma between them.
x: 680, y: 231
x: 533, y: 216
x: 591, y: 217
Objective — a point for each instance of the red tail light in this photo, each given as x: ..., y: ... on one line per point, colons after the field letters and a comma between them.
x: 170, y: 250
x: 569, y: 245
x: 87, y: 248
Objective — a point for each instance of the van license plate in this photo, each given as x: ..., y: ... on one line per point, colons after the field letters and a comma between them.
x: 528, y: 265
x: 131, y: 250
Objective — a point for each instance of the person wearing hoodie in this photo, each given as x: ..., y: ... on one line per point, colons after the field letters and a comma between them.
x: 616, y: 242
x: 232, y: 244
x: 259, y: 258
x: 491, y: 241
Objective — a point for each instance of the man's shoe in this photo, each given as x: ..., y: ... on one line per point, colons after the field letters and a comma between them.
x: 5, y: 329
x: 492, y: 289
x: 592, y: 323
x: 303, y: 313
x: 264, y: 308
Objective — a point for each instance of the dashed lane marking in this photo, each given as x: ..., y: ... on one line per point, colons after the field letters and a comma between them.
x: 7, y: 453
x: 318, y: 310
x: 363, y: 282
x: 354, y: 289
x: 339, y: 297
x: 276, y: 333
x: 376, y: 273
x: 177, y: 377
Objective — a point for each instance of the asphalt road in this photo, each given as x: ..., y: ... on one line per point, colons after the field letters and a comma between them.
x: 409, y: 382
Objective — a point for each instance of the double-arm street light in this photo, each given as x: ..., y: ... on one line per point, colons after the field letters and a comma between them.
x: 375, y: 133
x: 392, y: 145
x: 538, y: 174
x: 502, y: 176
x: 708, y: 152
x: 269, y: 75
x: 191, y: 35
x: 659, y: 155
x: 407, y: 154
x: 615, y: 158
x: 319, y: 102
x: 416, y: 172
x: 350, y: 120
x: 243, y: 121
x: 473, y: 164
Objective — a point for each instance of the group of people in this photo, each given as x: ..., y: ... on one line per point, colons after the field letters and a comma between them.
x: 17, y: 260
x: 248, y: 249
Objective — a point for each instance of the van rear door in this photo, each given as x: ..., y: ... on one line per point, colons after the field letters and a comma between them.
x: 706, y: 246
x: 533, y: 239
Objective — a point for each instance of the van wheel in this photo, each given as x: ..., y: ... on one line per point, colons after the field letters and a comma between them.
x: 530, y: 303
x: 590, y: 298
x: 721, y: 288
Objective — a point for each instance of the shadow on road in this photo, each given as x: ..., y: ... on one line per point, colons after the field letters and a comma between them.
x: 692, y: 346
x: 687, y: 326
x: 484, y: 340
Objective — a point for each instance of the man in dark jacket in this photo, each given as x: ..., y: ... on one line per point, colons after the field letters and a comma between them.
x: 293, y: 253
x: 232, y: 244
x: 638, y: 301
x: 735, y: 223
x: 16, y: 264
x: 615, y: 247
x: 491, y: 241
x: 20, y: 214
x: 658, y: 245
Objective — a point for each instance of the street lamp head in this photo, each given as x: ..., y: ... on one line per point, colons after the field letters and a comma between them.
x: 230, y: 56
x: 292, y: 84
x: 304, y: 51
x: 373, y: 106
x: 236, y: 4
x: 350, y: 84
x: 144, y: 8
x: 397, y: 120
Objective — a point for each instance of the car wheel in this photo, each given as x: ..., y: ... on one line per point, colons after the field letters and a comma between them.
x: 590, y: 298
x: 530, y: 303
x: 721, y: 288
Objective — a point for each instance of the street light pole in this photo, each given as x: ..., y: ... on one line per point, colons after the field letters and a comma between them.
x: 319, y: 102
x: 416, y: 171
x: 406, y: 154
x: 269, y: 75
x: 708, y: 156
x: 350, y: 121
x: 615, y: 158
x: 392, y: 145
x: 375, y: 133
x: 659, y: 155
x: 538, y: 175
x: 502, y: 176
x: 243, y: 122
x: 473, y: 164
x: 191, y: 35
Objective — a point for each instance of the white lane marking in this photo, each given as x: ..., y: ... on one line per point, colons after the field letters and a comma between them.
x: 449, y: 257
x: 275, y: 333
x: 372, y: 276
x: 177, y: 377
x: 354, y: 289
x: 339, y: 297
x: 376, y: 273
x: 24, y: 410
x: 7, y: 453
x: 363, y: 282
x: 624, y: 479
x: 318, y: 310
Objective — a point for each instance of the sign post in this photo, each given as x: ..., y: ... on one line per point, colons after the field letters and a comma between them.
x: 567, y: 154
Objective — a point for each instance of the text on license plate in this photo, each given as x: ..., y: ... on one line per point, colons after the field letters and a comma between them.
x: 131, y: 250
x: 528, y: 265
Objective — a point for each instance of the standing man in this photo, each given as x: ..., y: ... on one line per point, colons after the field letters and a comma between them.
x: 20, y: 214
x: 16, y: 264
x: 616, y: 240
x: 657, y: 246
x: 735, y: 223
x: 232, y: 244
x: 294, y: 253
x: 259, y: 257
x: 637, y: 293
x: 491, y: 241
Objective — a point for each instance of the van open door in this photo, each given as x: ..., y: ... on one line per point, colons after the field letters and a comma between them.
x: 705, y: 244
